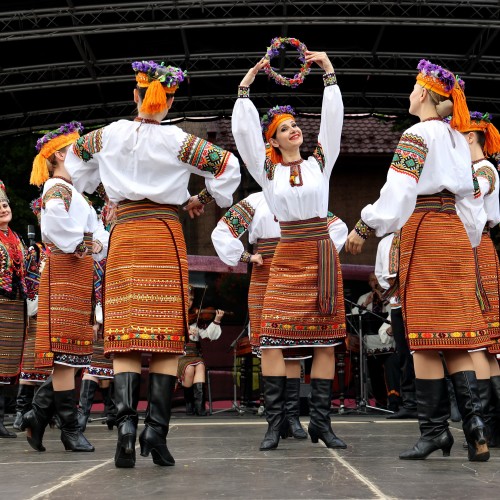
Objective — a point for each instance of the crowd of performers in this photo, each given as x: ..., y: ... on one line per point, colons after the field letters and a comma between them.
x: 104, y: 289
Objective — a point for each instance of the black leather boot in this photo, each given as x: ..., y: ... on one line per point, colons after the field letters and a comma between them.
x: 24, y: 398
x: 320, y: 426
x: 484, y: 390
x: 408, y: 409
x: 433, y: 407
x: 71, y: 435
x: 292, y: 426
x: 109, y: 405
x: 127, y: 388
x: 189, y: 400
x: 199, y: 399
x: 455, y: 413
x: 153, y: 438
x: 42, y: 410
x: 274, y: 403
x: 469, y: 405
x: 494, y: 441
x: 87, y: 393
x: 4, y: 433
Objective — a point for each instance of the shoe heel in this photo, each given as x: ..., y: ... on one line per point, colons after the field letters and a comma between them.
x: 313, y: 435
x: 446, y: 451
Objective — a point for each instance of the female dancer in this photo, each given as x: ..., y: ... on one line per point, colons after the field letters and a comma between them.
x: 75, y: 236
x: 252, y: 215
x: 12, y: 303
x: 145, y: 168
x: 303, y: 307
x: 430, y: 175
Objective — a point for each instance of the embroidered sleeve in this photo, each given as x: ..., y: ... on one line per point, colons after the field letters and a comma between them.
x: 245, y: 257
x: 59, y: 192
x: 269, y: 168
x: 238, y: 218
x: 87, y: 145
x: 486, y: 172
x: 409, y: 156
x: 205, y: 197
x: 243, y: 91
x: 330, y: 79
x: 363, y: 229
x: 204, y: 155
x: 320, y: 157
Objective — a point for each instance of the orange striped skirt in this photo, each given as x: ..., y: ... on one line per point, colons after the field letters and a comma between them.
x: 100, y: 366
x: 437, y: 279
x: 12, y: 327
x: 28, y: 369
x: 257, y: 289
x: 65, y: 315
x: 305, y: 279
x: 146, y: 281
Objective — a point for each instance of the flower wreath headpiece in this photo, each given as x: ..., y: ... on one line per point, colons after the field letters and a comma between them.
x: 443, y: 82
x: 273, y: 50
x: 482, y: 122
x: 159, y: 81
x: 52, y: 141
x: 270, y: 122
x: 3, y: 193
x: 36, y: 207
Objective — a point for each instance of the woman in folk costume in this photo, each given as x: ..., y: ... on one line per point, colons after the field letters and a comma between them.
x: 76, y: 237
x: 429, y: 178
x: 252, y: 215
x: 31, y: 377
x: 12, y: 303
x: 303, y: 308
x: 484, y: 141
x: 191, y: 369
x: 99, y: 375
x: 145, y: 169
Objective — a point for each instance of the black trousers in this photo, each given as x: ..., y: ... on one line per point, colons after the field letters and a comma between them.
x: 402, y: 348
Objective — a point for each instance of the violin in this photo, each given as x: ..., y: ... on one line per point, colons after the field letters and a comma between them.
x: 205, y: 314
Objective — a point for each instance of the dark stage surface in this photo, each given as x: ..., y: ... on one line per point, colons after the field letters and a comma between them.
x: 218, y: 457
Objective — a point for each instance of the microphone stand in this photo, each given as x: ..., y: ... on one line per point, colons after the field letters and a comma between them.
x: 363, y: 405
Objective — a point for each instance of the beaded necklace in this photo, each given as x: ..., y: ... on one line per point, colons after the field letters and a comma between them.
x: 146, y: 120
x: 477, y: 161
x: 62, y: 178
x: 295, y: 173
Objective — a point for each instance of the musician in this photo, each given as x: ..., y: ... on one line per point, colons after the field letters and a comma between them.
x: 191, y: 367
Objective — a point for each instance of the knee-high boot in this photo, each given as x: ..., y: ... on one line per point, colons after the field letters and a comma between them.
x: 274, y: 403
x: 494, y: 440
x: 24, y: 398
x: 109, y: 405
x: 40, y: 415
x: 292, y: 426
x: 87, y: 393
x: 71, y: 435
x: 469, y: 405
x: 4, y: 433
x: 484, y: 391
x: 320, y: 426
x: 433, y: 409
x: 127, y: 388
x: 153, y: 438
x: 199, y: 399
x: 189, y: 399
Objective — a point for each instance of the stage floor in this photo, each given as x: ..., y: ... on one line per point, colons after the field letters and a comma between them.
x: 218, y: 457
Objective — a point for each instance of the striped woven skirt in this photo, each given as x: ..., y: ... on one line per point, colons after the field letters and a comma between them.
x: 100, y: 366
x: 29, y: 371
x: 437, y: 279
x: 12, y: 328
x: 304, y: 301
x: 257, y: 289
x: 146, y: 282
x: 192, y: 357
x: 489, y: 269
x: 65, y: 315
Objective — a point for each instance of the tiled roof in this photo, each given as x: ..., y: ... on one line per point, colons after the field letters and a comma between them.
x: 361, y: 134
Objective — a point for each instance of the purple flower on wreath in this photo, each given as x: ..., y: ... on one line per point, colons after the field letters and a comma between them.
x: 67, y: 128
x: 169, y: 76
x: 477, y: 116
x: 271, y: 113
x: 447, y: 78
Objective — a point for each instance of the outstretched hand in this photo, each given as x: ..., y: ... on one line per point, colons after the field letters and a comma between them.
x: 249, y: 78
x: 321, y: 59
x: 194, y: 207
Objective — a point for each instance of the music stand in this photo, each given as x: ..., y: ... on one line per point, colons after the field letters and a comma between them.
x: 241, y: 410
x: 362, y: 406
